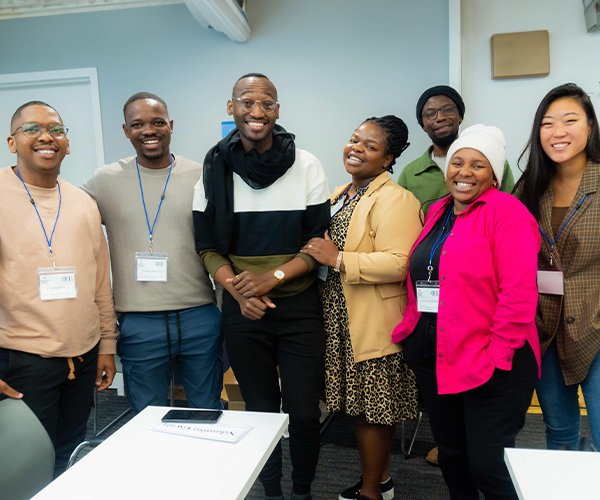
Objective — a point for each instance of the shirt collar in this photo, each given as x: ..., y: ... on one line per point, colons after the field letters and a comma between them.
x: 426, y: 161
x: 484, y: 198
x: 375, y: 183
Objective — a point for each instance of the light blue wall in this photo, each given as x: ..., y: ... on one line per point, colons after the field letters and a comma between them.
x: 334, y: 63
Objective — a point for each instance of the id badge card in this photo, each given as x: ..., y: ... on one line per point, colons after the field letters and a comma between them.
x: 338, y: 206
x: 151, y: 266
x: 57, y: 283
x: 551, y: 281
x: 428, y: 296
x: 322, y: 272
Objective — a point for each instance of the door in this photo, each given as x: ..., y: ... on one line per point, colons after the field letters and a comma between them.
x: 74, y: 94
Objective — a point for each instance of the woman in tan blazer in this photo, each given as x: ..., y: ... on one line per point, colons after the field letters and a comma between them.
x: 374, y: 225
x: 561, y: 188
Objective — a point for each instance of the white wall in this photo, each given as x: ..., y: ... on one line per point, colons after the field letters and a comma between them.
x: 334, y: 62
x: 511, y: 104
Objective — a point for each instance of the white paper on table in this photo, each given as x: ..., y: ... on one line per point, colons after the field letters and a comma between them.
x: 216, y: 432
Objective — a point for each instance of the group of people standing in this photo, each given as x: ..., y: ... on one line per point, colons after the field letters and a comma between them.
x: 442, y: 285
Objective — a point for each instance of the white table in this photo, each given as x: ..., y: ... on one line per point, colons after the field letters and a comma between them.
x: 138, y: 463
x: 549, y: 474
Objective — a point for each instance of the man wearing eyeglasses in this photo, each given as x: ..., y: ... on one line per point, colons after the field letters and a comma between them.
x: 440, y: 111
x: 259, y: 200
x: 165, y: 302
x: 57, y: 320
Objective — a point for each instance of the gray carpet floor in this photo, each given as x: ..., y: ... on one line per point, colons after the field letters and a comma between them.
x: 339, y: 465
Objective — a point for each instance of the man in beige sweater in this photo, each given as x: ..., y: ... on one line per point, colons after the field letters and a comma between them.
x: 57, y: 320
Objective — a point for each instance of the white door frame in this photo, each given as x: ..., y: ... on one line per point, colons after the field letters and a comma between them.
x: 82, y: 75
x: 454, y: 45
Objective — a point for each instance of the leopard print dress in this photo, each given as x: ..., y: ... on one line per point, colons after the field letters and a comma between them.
x: 383, y: 389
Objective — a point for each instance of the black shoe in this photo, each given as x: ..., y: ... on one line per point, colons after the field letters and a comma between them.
x: 362, y: 497
x: 353, y: 493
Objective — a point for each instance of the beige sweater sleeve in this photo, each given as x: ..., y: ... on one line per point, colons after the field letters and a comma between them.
x: 104, y: 298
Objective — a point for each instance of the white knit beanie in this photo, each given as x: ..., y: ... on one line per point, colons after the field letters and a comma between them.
x: 487, y: 140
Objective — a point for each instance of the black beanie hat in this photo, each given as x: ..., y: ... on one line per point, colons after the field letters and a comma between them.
x: 440, y: 90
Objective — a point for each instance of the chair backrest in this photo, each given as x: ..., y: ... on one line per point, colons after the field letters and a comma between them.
x: 26, y: 452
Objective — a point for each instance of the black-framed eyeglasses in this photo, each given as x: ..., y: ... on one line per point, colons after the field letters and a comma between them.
x: 267, y: 105
x: 448, y: 110
x: 34, y: 130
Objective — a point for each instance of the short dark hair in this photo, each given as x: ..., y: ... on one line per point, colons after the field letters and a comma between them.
x: 396, y: 134
x: 143, y: 95
x: 17, y: 113
x: 251, y: 75
x: 539, y: 170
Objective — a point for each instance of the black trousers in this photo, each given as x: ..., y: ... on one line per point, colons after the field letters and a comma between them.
x: 61, y: 403
x: 290, y: 336
x: 472, y: 428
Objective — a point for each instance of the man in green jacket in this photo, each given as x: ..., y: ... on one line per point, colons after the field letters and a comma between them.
x: 440, y: 111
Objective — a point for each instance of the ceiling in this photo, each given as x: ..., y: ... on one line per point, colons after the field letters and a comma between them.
x: 31, y: 8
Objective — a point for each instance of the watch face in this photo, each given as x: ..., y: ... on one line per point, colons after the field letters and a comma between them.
x: 279, y: 274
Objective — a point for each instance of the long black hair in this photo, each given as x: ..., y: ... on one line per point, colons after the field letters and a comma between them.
x: 396, y: 134
x: 539, y: 170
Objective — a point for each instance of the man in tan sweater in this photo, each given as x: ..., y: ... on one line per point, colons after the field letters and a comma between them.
x: 168, y: 320
x: 57, y: 320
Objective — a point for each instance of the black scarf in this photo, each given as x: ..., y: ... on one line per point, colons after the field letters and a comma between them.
x: 257, y: 170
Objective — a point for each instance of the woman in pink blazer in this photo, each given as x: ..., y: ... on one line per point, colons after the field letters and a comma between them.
x: 469, y: 329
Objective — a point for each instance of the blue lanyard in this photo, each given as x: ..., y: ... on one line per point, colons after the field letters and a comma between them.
x: 551, y: 254
x: 340, y: 197
x: 357, y: 192
x: 437, y: 244
x: 162, y: 197
x: 49, y: 241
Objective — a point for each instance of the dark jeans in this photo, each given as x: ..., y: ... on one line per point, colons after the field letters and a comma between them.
x: 152, y: 343
x: 472, y: 428
x: 290, y: 336
x: 62, y: 405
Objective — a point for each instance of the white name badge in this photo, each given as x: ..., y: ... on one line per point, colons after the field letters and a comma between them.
x: 151, y: 266
x: 428, y: 296
x: 322, y: 272
x: 551, y: 281
x: 57, y: 283
x: 338, y: 206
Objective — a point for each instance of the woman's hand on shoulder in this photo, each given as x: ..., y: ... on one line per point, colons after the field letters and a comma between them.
x: 323, y: 250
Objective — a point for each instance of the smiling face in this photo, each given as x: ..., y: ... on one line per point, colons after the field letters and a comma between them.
x: 149, y: 129
x: 564, y: 132
x: 443, y: 129
x: 40, y: 157
x: 256, y: 126
x: 469, y: 175
x: 365, y: 154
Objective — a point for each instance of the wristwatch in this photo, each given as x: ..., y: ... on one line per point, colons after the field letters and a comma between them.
x: 279, y: 275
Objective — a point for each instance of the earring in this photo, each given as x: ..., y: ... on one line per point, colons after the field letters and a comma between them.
x: 494, y: 184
